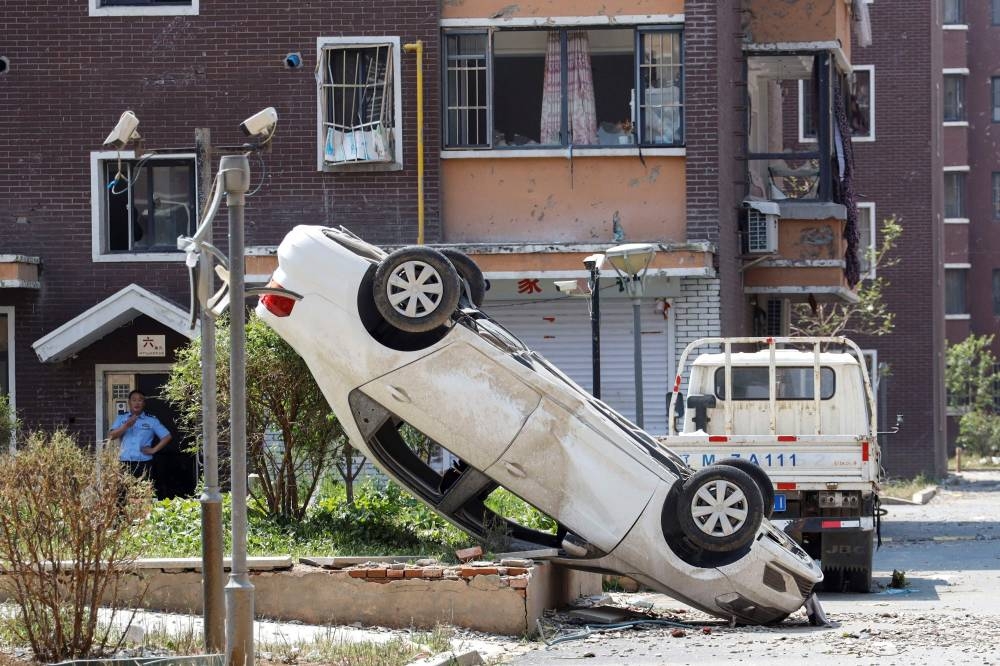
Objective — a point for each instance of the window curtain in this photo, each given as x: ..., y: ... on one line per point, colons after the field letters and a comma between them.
x: 582, y: 113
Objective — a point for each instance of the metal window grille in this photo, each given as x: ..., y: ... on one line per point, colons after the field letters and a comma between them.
x: 358, y: 95
x: 467, y: 119
x: 661, y: 82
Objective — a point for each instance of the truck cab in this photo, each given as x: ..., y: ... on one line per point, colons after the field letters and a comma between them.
x: 802, y: 409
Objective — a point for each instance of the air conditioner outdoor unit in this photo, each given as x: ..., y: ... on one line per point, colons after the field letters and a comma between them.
x: 762, y: 227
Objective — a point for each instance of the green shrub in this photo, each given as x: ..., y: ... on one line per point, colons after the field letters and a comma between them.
x: 979, y: 433
x: 67, y: 523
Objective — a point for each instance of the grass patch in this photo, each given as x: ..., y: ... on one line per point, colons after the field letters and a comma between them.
x: 904, y: 488
x: 971, y: 462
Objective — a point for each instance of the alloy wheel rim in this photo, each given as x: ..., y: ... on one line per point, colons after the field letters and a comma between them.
x: 719, y: 508
x: 415, y: 289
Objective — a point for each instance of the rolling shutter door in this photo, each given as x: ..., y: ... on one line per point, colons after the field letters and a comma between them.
x: 560, y: 331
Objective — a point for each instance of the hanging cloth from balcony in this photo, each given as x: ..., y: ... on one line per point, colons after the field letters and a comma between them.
x: 581, y: 110
x: 845, y: 159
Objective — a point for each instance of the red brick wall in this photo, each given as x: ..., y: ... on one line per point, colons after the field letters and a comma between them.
x: 901, y: 172
x: 714, y: 94
x: 72, y: 75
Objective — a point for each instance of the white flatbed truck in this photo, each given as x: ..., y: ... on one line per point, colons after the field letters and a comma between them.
x: 802, y: 409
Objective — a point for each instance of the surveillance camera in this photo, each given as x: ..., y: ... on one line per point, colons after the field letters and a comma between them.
x: 123, y: 132
x: 593, y: 261
x: 260, y: 124
x: 566, y: 286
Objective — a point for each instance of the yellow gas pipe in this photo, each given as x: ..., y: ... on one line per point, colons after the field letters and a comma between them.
x: 418, y: 47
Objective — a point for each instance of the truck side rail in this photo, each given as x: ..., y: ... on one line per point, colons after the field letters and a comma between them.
x: 772, y: 342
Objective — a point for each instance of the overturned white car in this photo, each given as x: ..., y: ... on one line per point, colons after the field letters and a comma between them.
x: 398, y: 339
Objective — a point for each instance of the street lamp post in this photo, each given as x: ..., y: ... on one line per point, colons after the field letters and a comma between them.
x: 631, y: 261
x: 593, y: 263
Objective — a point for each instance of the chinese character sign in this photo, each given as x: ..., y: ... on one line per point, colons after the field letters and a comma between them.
x: 528, y: 286
x: 152, y: 345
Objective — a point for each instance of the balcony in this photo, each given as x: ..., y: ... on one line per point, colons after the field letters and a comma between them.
x: 797, y: 24
x: 19, y: 272
x: 805, y: 258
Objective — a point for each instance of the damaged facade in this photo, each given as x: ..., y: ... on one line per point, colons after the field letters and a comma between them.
x: 553, y: 129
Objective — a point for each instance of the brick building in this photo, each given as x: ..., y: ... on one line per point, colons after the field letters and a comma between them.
x: 554, y: 129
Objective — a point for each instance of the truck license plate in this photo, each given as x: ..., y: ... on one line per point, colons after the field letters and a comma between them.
x: 780, y: 504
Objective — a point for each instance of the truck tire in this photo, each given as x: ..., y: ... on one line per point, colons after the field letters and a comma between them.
x: 759, y: 476
x: 720, y: 508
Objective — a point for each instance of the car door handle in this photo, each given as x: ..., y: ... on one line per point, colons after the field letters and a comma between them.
x: 398, y: 394
x: 515, y: 470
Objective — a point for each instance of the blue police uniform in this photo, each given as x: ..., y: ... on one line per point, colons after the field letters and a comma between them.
x: 142, y: 433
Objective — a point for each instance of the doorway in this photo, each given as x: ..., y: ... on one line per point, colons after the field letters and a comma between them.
x: 175, y: 470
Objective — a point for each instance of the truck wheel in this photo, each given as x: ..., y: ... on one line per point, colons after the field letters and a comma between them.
x: 416, y: 289
x: 720, y: 508
x: 759, y: 476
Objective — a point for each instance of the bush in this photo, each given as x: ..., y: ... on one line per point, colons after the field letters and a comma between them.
x: 66, y: 518
x: 979, y: 433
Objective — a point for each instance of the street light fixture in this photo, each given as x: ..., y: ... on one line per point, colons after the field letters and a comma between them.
x: 631, y: 261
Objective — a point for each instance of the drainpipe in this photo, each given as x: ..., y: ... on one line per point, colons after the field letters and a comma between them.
x: 418, y: 47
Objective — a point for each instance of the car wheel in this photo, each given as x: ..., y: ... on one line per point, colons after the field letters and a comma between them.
x: 469, y: 271
x: 720, y: 508
x: 416, y: 289
x: 759, y: 476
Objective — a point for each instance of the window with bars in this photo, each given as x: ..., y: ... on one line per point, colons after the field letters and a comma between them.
x: 954, y: 98
x: 358, y: 101
x: 147, y: 204
x: 143, y: 7
x: 607, y: 87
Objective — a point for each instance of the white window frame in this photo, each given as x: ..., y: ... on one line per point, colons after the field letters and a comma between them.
x: 12, y: 393
x: 95, y: 9
x: 397, y: 100
x: 98, y: 231
x: 871, y: 109
x: 873, y: 238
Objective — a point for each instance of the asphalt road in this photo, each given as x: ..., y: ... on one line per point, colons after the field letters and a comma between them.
x: 949, y: 550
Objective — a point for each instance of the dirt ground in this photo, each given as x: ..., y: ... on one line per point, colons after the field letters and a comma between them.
x: 948, y: 614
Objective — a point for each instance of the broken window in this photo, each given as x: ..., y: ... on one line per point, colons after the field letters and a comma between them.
x: 542, y: 88
x: 859, y: 103
x: 148, y: 204
x: 779, y: 166
x: 358, y: 103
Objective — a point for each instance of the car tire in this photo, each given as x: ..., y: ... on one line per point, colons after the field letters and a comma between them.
x: 720, y: 508
x: 469, y: 271
x: 759, y: 476
x: 416, y: 289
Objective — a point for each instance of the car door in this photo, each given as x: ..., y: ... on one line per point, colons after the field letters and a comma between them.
x: 571, y: 471
x: 461, y: 397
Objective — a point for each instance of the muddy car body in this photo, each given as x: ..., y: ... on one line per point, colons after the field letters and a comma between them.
x: 398, y: 338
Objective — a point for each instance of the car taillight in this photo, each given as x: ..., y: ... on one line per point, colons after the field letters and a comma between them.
x: 279, y: 306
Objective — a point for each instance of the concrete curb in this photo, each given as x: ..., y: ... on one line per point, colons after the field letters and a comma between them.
x: 920, y: 497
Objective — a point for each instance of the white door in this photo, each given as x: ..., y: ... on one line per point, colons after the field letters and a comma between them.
x: 560, y: 331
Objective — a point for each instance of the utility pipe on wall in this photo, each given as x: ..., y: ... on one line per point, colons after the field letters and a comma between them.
x: 418, y: 48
